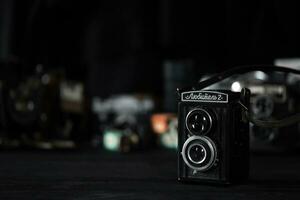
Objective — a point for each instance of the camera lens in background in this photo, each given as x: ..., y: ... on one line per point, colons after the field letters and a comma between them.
x: 262, y: 106
x: 198, y: 121
x: 199, y: 153
x: 263, y: 134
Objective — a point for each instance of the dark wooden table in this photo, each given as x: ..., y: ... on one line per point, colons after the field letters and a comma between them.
x: 149, y: 175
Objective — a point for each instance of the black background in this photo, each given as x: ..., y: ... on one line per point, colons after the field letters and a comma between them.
x: 126, y: 43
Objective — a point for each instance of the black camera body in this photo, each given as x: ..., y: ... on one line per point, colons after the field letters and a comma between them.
x: 213, y: 136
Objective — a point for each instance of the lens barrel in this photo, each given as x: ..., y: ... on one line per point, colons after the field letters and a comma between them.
x: 199, y: 153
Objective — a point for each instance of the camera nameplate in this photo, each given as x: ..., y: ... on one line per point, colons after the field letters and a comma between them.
x: 204, y: 96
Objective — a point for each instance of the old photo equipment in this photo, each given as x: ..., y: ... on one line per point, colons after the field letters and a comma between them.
x: 213, y: 136
x: 213, y: 130
x: 40, y: 110
x: 123, y: 122
x: 272, y: 95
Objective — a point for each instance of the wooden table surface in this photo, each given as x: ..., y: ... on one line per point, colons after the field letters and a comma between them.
x: 147, y: 175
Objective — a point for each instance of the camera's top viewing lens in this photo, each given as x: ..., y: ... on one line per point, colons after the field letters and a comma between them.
x: 198, y: 121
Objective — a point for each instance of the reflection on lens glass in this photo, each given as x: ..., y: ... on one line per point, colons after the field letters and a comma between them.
x: 197, y: 153
x: 198, y: 121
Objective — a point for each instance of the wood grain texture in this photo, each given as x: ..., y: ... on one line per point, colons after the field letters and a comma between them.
x: 149, y: 175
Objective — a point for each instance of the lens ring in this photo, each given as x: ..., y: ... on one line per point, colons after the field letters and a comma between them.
x: 189, y: 153
x: 211, y: 153
x: 202, y: 111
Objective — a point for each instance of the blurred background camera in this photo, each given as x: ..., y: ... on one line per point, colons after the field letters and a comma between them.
x: 273, y: 96
x: 123, y: 122
x: 38, y: 111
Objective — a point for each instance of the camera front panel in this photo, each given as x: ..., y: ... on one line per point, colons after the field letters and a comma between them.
x: 213, y: 136
x: 203, y: 146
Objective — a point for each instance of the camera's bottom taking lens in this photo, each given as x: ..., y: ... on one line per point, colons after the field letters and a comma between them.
x: 199, y: 153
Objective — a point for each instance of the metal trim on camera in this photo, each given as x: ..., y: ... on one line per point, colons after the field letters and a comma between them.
x: 204, y: 129
x: 210, y: 155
